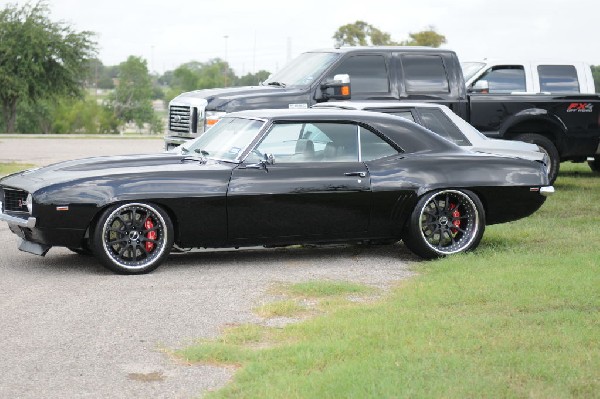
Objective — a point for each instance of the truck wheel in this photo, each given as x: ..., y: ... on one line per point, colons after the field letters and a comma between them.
x: 548, y: 147
x: 595, y: 164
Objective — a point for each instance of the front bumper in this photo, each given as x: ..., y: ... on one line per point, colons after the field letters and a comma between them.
x: 18, y: 221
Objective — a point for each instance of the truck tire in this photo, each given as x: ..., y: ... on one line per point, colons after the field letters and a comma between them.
x: 595, y: 164
x: 548, y: 147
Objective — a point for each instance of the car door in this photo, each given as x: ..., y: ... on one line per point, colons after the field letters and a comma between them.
x: 315, y: 187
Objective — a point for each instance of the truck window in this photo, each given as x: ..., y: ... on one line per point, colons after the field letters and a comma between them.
x: 368, y: 73
x: 505, y: 79
x: 424, y: 74
x: 437, y: 122
x: 558, y: 78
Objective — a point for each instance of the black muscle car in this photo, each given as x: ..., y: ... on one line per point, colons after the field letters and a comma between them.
x: 274, y: 177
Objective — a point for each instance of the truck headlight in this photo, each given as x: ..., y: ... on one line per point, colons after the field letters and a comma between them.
x: 29, y: 203
x: 212, y: 117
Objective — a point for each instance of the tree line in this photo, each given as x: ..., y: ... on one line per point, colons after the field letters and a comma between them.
x: 52, y: 82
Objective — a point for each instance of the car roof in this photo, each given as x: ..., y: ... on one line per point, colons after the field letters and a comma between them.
x: 409, y: 136
x: 403, y: 49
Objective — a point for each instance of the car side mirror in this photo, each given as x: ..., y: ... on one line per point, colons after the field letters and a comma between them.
x: 340, y: 86
x: 269, y: 159
x: 481, y: 86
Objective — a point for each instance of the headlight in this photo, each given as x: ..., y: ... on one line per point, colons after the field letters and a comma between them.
x: 212, y: 117
x: 29, y: 203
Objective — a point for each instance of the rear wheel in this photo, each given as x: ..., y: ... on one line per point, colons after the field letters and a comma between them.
x: 445, y: 222
x: 133, y: 238
x: 595, y: 163
x: 547, y: 146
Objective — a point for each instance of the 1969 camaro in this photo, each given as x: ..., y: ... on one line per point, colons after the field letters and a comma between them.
x: 274, y: 177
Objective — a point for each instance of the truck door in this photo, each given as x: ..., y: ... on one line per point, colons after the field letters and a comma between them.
x: 430, y: 77
x: 369, y: 76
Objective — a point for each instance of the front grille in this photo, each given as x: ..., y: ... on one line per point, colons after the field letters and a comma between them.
x: 179, y: 118
x: 14, y: 200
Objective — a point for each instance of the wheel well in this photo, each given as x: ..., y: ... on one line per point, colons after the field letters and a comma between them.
x: 543, y: 128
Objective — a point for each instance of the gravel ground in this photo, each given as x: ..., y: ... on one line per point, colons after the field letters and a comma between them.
x: 71, y: 329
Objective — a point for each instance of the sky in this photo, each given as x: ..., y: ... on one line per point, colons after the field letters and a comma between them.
x: 266, y: 34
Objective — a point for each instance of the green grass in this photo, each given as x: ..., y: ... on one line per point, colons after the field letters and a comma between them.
x: 519, y: 317
x: 319, y: 288
x: 12, y: 167
x: 285, y: 308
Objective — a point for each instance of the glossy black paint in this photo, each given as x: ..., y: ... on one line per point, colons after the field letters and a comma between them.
x: 218, y: 204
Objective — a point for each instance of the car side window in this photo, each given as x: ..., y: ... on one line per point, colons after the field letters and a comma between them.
x: 437, y: 122
x: 403, y: 114
x: 368, y: 73
x: 505, y: 79
x: 308, y: 142
x: 373, y: 147
x: 558, y: 78
x: 424, y: 74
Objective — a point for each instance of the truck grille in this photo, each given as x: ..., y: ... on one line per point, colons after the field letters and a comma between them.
x: 179, y: 118
x: 14, y: 200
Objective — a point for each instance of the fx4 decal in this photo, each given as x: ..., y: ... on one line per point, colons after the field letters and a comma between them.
x: 580, y: 107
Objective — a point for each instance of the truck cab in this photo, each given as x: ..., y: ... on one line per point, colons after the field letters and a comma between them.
x: 376, y: 73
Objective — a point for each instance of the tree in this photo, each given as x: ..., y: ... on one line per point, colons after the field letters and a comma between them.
x: 39, y: 59
x: 252, y: 79
x: 132, y: 99
x: 428, y: 38
x: 361, y: 33
x: 196, y: 75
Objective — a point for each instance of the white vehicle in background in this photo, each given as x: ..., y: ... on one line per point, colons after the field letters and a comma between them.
x: 504, y: 76
x: 441, y: 120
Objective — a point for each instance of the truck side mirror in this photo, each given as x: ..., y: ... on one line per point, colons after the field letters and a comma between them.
x: 340, y: 85
x: 481, y: 86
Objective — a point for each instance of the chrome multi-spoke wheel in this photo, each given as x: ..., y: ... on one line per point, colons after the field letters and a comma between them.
x: 445, y: 222
x: 133, y: 238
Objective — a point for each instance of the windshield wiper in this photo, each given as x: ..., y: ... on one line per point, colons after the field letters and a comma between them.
x: 199, y: 151
x: 280, y: 84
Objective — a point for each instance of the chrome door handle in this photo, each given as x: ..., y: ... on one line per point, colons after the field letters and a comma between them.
x: 359, y: 174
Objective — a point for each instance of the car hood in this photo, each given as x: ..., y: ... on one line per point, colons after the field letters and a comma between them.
x: 238, y: 98
x: 107, y: 168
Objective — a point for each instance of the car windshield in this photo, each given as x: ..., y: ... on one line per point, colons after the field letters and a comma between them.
x: 226, y: 140
x: 471, y: 68
x: 303, y: 70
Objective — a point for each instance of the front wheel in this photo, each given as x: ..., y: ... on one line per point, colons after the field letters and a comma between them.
x: 445, y: 222
x: 595, y: 163
x: 133, y: 238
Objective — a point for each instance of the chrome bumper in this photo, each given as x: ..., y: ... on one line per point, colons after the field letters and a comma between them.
x: 21, y: 222
x: 547, y: 191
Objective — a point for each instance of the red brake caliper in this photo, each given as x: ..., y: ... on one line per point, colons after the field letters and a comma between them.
x: 455, y: 214
x: 151, y: 235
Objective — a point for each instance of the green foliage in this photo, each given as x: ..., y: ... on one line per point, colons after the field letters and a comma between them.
x: 13, y: 167
x: 519, y: 317
x: 361, y: 33
x: 596, y: 75
x: 131, y: 100
x: 40, y: 59
x: 196, y: 75
x: 252, y: 79
x: 82, y: 116
x: 428, y: 38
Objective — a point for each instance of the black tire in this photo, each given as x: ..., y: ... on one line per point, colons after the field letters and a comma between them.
x: 548, y: 147
x: 133, y: 238
x: 595, y: 164
x: 445, y: 222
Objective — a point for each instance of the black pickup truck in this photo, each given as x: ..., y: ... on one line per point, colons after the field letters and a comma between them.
x: 565, y: 125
